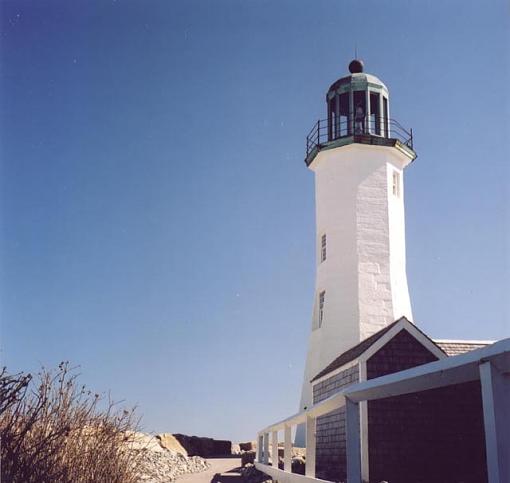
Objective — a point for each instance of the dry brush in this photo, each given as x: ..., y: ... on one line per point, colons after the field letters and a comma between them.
x: 54, y: 430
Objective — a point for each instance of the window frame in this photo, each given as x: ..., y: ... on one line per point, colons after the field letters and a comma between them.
x: 396, y: 183
x: 323, y: 248
x: 322, y: 304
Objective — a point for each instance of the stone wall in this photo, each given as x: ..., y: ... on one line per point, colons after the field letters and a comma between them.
x: 205, y: 447
x: 170, y: 442
x: 330, y: 429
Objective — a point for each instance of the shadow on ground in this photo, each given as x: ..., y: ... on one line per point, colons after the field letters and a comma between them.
x: 231, y: 476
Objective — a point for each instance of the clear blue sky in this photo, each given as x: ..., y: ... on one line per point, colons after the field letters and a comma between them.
x: 157, y: 216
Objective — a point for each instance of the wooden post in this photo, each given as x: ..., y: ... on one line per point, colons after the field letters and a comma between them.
x: 363, y: 418
x: 496, y: 419
x: 266, y: 449
x: 353, y: 442
x: 274, y: 459
x: 310, y: 447
x: 260, y: 444
x: 287, y: 450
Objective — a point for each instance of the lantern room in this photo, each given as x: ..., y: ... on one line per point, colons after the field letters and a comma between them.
x: 357, y: 104
x: 357, y: 112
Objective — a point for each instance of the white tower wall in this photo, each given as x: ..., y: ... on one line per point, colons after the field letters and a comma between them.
x: 364, y: 274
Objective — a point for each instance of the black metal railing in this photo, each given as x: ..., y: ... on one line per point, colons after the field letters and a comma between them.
x: 325, y: 131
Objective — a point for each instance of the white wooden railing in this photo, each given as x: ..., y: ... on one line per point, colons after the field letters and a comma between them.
x: 309, y: 418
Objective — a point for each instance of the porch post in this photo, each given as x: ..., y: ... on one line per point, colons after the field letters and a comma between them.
x: 353, y: 442
x: 363, y: 417
x: 274, y: 461
x: 287, y: 450
x: 266, y: 449
x: 496, y: 417
x: 310, y: 447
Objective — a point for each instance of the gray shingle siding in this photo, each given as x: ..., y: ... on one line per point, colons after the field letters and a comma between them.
x: 330, y: 429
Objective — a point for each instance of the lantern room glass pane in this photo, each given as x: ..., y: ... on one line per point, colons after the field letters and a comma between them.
x: 343, y: 121
x: 385, y: 116
x: 360, y: 110
x: 331, y: 118
x: 375, y: 115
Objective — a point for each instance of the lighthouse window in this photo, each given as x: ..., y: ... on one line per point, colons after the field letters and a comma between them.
x: 396, y: 183
x: 344, y: 115
x: 323, y: 247
x: 375, y: 115
x: 360, y: 110
x: 332, y: 119
x: 322, y: 298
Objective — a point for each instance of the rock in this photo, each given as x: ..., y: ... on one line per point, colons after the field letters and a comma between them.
x: 169, y: 442
x: 249, y: 446
x: 165, y: 466
x: 298, y: 451
x: 250, y: 474
x: 298, y: 465
x: 205, y: 447
x: 236, y: 449
x: 247, y: 457
x: 158, y: 464
x: 143, y: 441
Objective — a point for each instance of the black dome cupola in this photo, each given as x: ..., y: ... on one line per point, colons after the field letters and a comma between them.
x: 356, y: 66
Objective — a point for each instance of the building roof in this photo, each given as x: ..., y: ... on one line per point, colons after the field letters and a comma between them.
x: 356, y: 351
x: 456, y: 347
x: 358, y: 78
x: 449, y: 347
x: 450, y: 370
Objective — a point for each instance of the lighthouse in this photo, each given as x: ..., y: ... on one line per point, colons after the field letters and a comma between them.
x: 358, y: 155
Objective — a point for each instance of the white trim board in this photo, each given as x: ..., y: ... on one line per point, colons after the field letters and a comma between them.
x: 284, y: 476
x: 460, y: 341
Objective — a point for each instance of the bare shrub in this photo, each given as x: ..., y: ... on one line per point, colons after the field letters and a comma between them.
x: 53, y: 430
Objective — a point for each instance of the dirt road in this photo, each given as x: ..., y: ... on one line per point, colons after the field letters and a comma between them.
x: 222, y: 470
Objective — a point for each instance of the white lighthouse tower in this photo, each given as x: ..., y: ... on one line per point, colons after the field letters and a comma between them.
x: 358, y: 156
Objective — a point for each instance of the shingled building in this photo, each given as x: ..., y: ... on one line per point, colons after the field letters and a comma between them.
x: 444, y: 452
